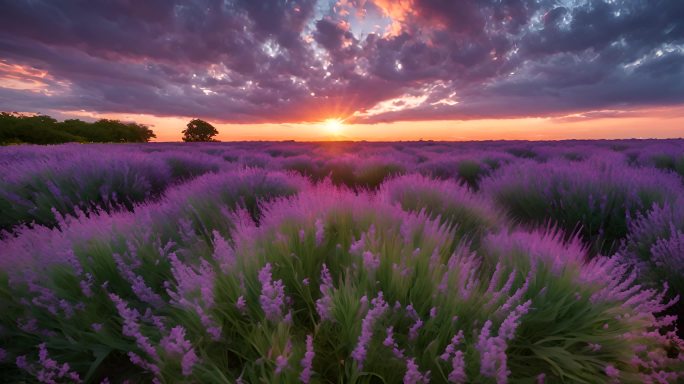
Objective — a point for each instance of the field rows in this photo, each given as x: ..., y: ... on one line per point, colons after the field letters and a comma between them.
x: 343, y: 262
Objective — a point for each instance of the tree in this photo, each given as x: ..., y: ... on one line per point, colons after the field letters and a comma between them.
x: 199, y: 130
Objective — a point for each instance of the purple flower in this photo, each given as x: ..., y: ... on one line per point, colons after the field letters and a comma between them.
x: 223, y: 252
x: 411, y: 312
x: 131, y: 327
x: 48, y: 370
x: 140, y: 288
x: 370, y: 261
x: 307, y: 361
x: 493, y: 360
x: 612, y: 372
x: 357, y: 246
x: 413, y: 331
x: 389, y: 339
x: 139, y: 361
x: 324, y: 304
x: 389, y: 342
x: 22, y: 363
x: 241, y: 304
x: 188, y: 361
x: 413, y: 375
x: 378, y: 308
x: 174, y: 343
x: 457, y: 374
x: 508, y: 327
x: 281, y: 364
x: 272, y: 298
x: 451, y: 348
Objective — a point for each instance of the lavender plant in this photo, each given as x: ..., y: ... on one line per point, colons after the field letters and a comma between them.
x: 469, y: 215
x: 255, y: 275
x: 341, y: 288
x: 33, y: 190
x: 40, y: 191
x: 98, y: 292
x: 595, y: 198
x: 655, y: 245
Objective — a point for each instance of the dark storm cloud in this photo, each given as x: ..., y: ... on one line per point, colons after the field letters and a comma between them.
x: 288, y: 61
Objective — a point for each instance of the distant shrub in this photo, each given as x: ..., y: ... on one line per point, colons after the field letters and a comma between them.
x: 670, y: 162
x: 41, y: 191
x: 593, y: 197
x: 341, y: 173
x: 305, y: 166
x: 469, y: 215
x: 664, y: 155
x: 362, y: 173
x: 185, y: 165
x: 255, y: 160
x: 466, y: 171
x: 40, y: 129
x: 522, y: 152
x: 371, y: 175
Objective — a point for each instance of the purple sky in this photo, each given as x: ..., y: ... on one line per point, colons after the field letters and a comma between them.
x: 259, y: 61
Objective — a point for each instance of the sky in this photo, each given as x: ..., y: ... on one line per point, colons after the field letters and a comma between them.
x: 352, y: 69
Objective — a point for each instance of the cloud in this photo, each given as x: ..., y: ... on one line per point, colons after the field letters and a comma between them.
x: 368, y: 61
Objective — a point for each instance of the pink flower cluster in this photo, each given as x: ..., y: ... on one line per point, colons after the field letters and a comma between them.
x: 272, y: 298
x: 377, y: 309
x: 48, y: 371
x: 175, y: 345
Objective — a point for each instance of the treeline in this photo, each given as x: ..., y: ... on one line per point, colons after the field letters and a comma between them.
x: 41, y: 129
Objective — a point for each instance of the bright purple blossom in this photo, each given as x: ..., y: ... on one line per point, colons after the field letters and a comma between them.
x: 48, y: 370
x: 413, y: 375
x: 281, y: 364
x: 377, y: 309
x: 413, y: 331
x: 223, y: 252
x: 272, y: 298
x: 458, y: 374
x: 241, y: 304
x: 324, y: 304
x: 131, y: 326
x: 307, y: 361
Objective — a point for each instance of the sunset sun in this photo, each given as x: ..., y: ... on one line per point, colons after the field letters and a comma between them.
x: 334, y: 127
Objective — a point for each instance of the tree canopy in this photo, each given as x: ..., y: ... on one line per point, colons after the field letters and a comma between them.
x: 199, y: 130
x: 41, y: 129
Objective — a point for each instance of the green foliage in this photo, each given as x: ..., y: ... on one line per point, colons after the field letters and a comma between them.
x: 468, y: 214
x: 185, y: 225
x: 471, y: 172
x: 40, y: 129
x: 199, y: 130
x: 669, y: 162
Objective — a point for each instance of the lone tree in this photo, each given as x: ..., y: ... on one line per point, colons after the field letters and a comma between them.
x: 199, y: 130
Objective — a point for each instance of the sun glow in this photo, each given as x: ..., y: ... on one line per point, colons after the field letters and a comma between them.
x: 334, y: 127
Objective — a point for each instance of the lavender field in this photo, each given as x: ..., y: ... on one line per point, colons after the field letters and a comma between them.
x: 416, y: 262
